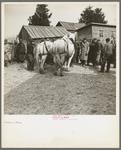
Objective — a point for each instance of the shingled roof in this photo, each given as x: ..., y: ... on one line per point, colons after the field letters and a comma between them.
x: 39, y: 32
x: 70, y: 26
x: 97, y: 24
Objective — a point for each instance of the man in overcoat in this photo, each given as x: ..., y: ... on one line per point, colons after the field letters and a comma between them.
x: 108, y: 52
x: 20, y: 52
x: 30, y: 56
x: 114, y: 52
x: 92, y: 53
x: 98, y: 48
x: 84, y: 47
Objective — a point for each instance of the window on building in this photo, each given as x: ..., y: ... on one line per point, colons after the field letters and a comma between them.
x: 100, y: 33
x: 113, y: 34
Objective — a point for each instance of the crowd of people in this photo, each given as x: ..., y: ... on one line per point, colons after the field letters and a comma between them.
x: 95, y: 52
x: 86, y: 52
x: 19, y: 53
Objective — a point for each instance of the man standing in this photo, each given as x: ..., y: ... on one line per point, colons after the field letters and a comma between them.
x: 108, y: 50
x: 77, y: 52
x: 30, y: 56
x: 84, y: 51
x: 20, y: 52
x: 91, y: 55
x: 98, y: 47
x: 114, y: 52
x: 14, y: 50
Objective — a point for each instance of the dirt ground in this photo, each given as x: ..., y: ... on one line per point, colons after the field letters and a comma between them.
x: 82, y: 91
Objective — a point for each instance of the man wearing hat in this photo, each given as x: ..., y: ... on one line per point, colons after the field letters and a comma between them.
x: 108, y: 50
x: 20, y: 51
x: 30, y: 56
x: 92, y: 53
x: 98, y: 48
x: 84, y: 47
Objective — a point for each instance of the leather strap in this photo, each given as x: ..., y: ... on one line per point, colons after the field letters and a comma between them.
x: 46, y: 47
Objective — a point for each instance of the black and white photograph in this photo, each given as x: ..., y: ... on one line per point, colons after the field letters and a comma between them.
x: 60, y: 59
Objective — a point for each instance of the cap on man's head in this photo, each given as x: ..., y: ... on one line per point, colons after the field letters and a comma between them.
x: 107, y: 40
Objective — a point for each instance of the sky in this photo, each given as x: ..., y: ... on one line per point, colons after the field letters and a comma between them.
x: 16, y: 14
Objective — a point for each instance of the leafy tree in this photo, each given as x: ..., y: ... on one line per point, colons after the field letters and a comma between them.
x: 89, y: 15
x: 41, y: 16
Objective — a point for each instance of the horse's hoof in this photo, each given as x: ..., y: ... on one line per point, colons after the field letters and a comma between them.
x: 42, y: 72
x: 67, y: 70
x: 61, y: 75
x: 63, y: 69
x: 55, y: 73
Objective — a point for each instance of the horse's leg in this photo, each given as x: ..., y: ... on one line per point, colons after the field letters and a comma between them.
x: 69, y: 61
x: 38, y: 61
x: 56, y: 69
x: 65, y: 64
x: 57, y: 60
x: 61, y: 65
x: 42, y: 64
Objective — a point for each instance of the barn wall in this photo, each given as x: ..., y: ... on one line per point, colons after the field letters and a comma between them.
x: 84, y: 33
x: 106, y: 32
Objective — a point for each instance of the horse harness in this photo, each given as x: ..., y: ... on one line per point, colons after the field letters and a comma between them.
x: 67, y: 47
x: 58, y: 52
x: 45, y: 48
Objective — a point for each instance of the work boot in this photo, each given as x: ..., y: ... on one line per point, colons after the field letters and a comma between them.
x: 101, y: 71
x: 61, y: 74
x: 87, y: 64
x: 41, y: 71
x: 55, y: 73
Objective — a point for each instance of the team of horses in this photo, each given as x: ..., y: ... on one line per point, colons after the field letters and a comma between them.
x: 62, y: 50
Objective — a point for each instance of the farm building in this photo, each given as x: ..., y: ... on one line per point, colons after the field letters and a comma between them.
x: 70, y: 26
x: 38, y: 33
x: 97, y: 30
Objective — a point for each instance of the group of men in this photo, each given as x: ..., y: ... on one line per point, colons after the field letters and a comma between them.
x: 96, y: 53
x: 17, y: 52
x: 21, y: 54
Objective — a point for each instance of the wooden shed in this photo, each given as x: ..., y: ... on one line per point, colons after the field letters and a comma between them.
x: 97, y: 30
x: 38, y: 33
x: 70, y: 26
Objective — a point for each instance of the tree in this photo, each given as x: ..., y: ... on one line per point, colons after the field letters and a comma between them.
x: 41, y: 16
x: 89, y: 15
